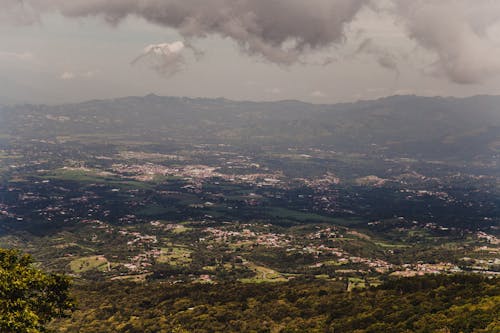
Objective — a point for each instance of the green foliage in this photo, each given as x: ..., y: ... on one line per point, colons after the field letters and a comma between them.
x: 29, y: 298
x: 460, y: 303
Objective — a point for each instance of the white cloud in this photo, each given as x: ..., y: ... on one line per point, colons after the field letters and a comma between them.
x: 275, y: 91
x: 165, y: 49
x: 90, y: 74
x: 22, y: 56
x: 455, y: 31
x: 165, y: 58
x: 318, y: 94
x: 69, y: 75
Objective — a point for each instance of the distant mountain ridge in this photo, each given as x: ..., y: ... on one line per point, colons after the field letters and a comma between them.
x: 411, y: 126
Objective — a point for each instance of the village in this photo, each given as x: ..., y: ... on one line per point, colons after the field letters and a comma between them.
x: 142, y: 214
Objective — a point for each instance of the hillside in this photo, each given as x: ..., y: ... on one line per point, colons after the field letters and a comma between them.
x: 409, y: 126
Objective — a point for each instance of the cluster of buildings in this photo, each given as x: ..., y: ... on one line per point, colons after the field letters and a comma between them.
x: 196, y: 174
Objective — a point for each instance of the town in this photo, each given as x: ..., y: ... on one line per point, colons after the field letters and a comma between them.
x: 210, y: 214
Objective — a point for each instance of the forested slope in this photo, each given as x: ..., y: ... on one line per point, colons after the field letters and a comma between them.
x: 422, y: 304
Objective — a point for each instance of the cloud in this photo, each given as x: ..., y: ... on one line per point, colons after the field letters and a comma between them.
x: 318, y: 94
x: 382, y: 56
x: 166, y: 58
x: 456, y: 31
x: 280, y: 31
x: 89, y: 74
x: 68, y: 75
x: 16, y: 12
x: 275, y: 91
x: 23, y: 56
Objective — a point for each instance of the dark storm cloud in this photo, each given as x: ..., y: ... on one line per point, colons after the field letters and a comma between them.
x: 281, y: 31
x: 457, y: 32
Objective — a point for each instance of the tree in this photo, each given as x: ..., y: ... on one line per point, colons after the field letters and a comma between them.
x: 29, y: 297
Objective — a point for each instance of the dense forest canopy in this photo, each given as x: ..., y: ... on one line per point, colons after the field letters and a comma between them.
x: 460, y: 303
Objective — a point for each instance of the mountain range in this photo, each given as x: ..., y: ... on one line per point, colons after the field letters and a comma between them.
x: 404, y: 126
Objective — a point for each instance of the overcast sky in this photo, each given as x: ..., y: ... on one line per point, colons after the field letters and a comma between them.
x: 323, y: 51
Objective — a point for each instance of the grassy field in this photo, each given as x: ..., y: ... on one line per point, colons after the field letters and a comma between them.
x: 94, y: 176
x: 262, y: 274
x: 179, y: 229
x: 138, y: 278
x: 284, y: 213
x: 175, y: 256
x: 155, y: 210
x: 388, y: 245
x: 85, y: 264
x: 356, y: 283
x: 333, y: 263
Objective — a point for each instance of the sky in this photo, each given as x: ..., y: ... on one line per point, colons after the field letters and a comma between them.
x: 321, y: 51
